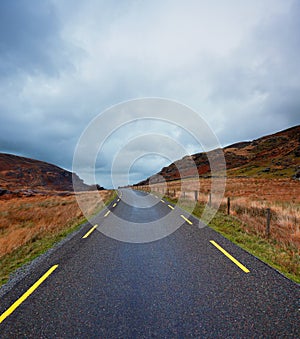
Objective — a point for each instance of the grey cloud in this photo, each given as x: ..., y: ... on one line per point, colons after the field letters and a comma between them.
x: 63, y: 62
x: 30, y: 38
x: 257, y: 87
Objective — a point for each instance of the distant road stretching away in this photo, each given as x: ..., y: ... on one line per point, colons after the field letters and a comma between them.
x: 192, y: 283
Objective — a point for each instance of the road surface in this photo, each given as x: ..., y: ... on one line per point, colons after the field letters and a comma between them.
x: 192, y: 283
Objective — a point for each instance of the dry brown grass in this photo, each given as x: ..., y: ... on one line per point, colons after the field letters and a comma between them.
x: 285, y: 218
x: 271, y: 190
x: 249, y: 199
x: 23, y: 219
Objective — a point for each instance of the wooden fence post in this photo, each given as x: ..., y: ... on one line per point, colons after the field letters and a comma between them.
x: 196, y: 195
x: 228, y: 205
x: 268, y: 214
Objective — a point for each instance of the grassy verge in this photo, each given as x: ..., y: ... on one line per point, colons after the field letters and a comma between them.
x: 285, y: 258
x: 10, y: 262
x: 106, y: 201
x: 40, y: 243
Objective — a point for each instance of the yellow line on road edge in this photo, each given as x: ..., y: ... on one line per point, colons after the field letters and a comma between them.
x: 171, y: 207
x: 162, y: 201
x: 107, y: 213
x: 115, y: 204
x: 90, y: 231
x: 187, y: 220
x: 17, y: 303
x: 241, y: 266
x: 118, y: 200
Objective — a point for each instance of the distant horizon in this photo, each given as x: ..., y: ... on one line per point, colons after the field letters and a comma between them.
x: 144, y: 178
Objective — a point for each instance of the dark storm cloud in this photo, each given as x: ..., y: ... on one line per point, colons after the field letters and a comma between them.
x: 31, y: 48
x: 29, y: 37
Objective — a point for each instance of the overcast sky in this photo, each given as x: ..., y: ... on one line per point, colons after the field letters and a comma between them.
x: 236, y: 63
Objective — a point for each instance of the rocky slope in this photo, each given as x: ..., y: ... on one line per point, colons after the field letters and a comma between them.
x: 19, y: 174
x: 272, y: 156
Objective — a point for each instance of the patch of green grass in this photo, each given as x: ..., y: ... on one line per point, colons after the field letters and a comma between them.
x: 110, y: 198
x: 257, y: 171
x: 279, y: 256
x: 106, y: 203
x: 38, y: 245
x: 283, y: 258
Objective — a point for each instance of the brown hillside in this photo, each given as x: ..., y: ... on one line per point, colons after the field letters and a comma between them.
x: 272, y: 156
x: 19, y: 173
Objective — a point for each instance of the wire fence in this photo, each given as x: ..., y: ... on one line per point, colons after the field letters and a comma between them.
x: 278, y: 221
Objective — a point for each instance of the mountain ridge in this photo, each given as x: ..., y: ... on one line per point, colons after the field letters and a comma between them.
x: 24, y: 175
x: 270, y: 156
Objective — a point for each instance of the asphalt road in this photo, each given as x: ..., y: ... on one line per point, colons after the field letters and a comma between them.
x: 180, y: 286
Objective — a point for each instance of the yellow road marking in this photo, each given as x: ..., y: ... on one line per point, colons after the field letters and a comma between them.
x: 187, y: 220
x: 17, y: 303
x: 115, y: 204
x: 118, y: 200
x: 107, y: 213
x: 90, y: 231
x: 162, y: 201
x: 241, y: 266
x: 171, y: 207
